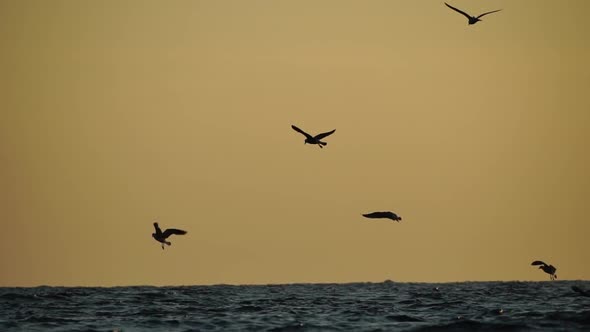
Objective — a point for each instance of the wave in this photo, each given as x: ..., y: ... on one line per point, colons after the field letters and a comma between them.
x: 492, y: 306
x: 471, y: 325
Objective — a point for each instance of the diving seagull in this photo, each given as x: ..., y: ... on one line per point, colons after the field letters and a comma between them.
x: 472, y: 19
x: 162, y: 236
x: 385, y: 214
x: 314, y: 139
x: 549, y: 269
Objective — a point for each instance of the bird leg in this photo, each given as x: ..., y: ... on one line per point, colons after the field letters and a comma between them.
x: 162, y: 246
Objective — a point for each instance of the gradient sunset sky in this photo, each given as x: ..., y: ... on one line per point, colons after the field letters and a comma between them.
x: 115, y: 114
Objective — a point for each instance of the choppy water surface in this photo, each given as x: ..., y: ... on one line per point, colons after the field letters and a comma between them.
x: 389, y: 306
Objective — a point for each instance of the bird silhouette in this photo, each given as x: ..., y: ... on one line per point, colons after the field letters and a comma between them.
x: 384, y: 214
x: 162, y: 236
x: 472, y: 19
x: 314, y: 139
x: 549, y: 269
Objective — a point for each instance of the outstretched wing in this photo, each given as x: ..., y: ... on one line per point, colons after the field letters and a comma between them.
x: 322, y: 135
x: 158, y: 230
x: 493, y: 11
x: 384, y: 214
x: 374, y: 215
x: 458, y: 10
x: 171, y: 231
x: 538, y: 263
x: 302, y: 132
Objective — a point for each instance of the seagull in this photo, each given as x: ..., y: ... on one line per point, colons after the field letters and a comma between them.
x: 472, y: 19
x: 385, y: 214
x: 549, y: 269
x: 314, y: 139
x: 162, y: 236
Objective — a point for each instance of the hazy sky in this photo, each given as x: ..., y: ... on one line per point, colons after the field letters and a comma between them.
x: 115, y: 114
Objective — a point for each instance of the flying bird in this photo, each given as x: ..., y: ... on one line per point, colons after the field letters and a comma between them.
x: 162, y: 236
x: 385, y: 214
x: 314, y: 139
x: 472, y: 19
x: 549, y: 269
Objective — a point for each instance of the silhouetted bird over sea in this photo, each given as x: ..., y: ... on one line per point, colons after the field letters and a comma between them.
x: 472, y: 19
x: 162, y: 236
x: 385, y: 214
x: 549, y: 269
x: 314, y: 139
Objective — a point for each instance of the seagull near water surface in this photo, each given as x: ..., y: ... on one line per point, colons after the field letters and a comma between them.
x: 384, y: 214
x: 314, y: 139
x: 472, y: 19
x: 549, y: 269
x: 162, y: 236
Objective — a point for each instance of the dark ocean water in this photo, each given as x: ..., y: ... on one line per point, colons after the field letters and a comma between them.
x: 388, y: 306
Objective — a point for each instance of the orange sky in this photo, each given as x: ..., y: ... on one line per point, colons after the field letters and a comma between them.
x: 118, y: 113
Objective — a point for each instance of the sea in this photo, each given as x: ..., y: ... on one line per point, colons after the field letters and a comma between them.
x: 384, y: 306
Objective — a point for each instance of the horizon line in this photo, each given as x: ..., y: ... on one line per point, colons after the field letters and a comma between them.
x: 386, y: 281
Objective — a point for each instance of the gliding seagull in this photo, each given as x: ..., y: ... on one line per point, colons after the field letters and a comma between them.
x: 384, y: 214
x: 549, y: 269
x: 314, y: 139
x: 162, y: 236
x: 472, y: 19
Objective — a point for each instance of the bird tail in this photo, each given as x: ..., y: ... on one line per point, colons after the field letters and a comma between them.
x: 323, y: 143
